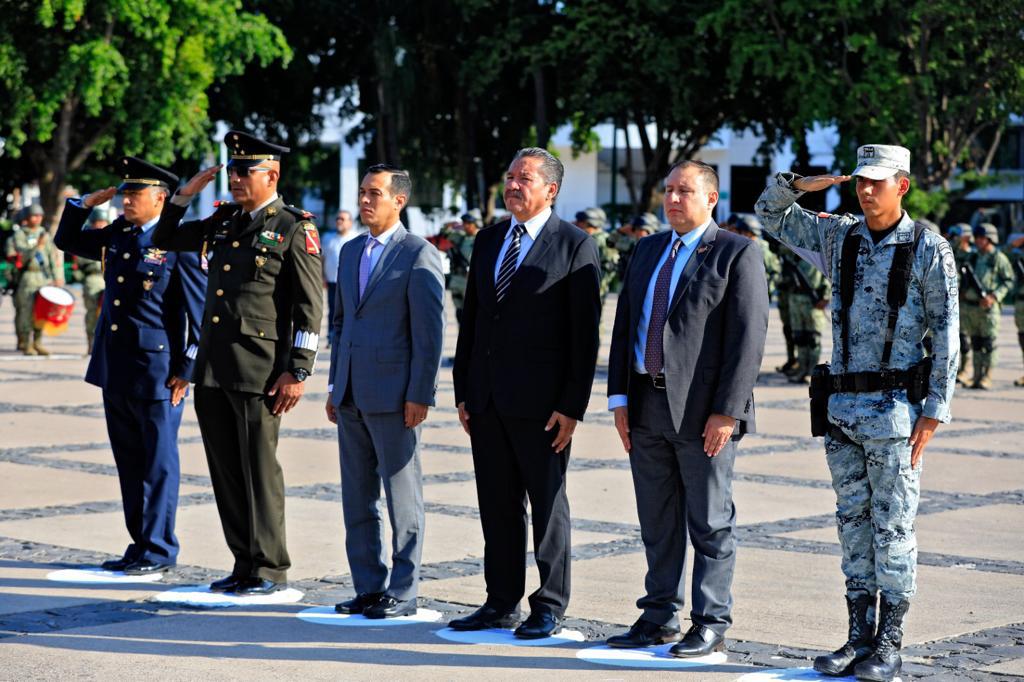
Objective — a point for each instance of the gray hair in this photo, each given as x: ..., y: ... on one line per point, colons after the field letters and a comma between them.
x: 551, y: 169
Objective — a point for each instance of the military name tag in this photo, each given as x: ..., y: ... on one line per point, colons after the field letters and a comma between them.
x: 271, y: 238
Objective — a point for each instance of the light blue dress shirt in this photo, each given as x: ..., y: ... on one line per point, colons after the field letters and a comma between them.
x: 689, y: 245
x: 381, y: 239
x: 533, y: 227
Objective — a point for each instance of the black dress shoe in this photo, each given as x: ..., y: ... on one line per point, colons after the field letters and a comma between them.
x: 251, y: 587
x: 115, y: 564
x: 539, y: 625
x: 698, y: 641
x: 359, y: 603
x: 644, y: 633
x: 228, y: 584
x: 146, y: 567
x: 485, y: 618
x: 389, y: 607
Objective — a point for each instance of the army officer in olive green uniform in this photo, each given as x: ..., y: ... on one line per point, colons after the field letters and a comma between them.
x: 261, y: 330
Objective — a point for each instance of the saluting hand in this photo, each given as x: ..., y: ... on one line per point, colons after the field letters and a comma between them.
x: 288, y: 390
x: 566, y: 425
x: 102, y: 196
x: 816, y: 183
x: 200, y: 180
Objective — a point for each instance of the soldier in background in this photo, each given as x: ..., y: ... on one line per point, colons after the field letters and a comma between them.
x: 90, y: 273
x: 35, y: 259
x: 809, y: 297
x: 962, y: 242
x: 750, y: 227
x: 986, y: 277
x: 459, y: 255
x: 1016, y: 255
x: 625, y: 238
x: 884, y: 396
x: 784, y: 291
x: 594, y: 222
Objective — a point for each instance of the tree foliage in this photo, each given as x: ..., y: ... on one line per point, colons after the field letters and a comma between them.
x: 92, y: 79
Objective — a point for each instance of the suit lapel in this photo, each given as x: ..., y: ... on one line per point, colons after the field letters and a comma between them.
x: 703, y: 250
x: 352, y: 272
x: 488, y: 262
x: 536, y: 253
x: 386, y: 258
x: 643, y: 270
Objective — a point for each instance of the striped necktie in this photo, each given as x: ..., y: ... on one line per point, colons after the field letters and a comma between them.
x: 508, y: 264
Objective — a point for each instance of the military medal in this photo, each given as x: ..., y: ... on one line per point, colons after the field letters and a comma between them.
x: 154, y: 256
x: 261, y: 261
x: 271, y: 211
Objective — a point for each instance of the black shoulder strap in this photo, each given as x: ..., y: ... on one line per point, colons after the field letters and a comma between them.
x: 847, y: 274
x: 898, y: 287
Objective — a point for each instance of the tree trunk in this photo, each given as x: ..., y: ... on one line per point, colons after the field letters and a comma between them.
x: 540, y: 108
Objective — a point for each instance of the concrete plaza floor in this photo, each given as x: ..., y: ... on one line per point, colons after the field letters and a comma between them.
x: 60, y: 508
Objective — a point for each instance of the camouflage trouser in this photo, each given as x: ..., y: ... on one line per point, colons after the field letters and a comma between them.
x: 787, y: 330
x: 1018, y: 318
x: 807, y: 324
x: 24, y: 301
x: 876, y: 501
x: 981, y: 327
x: 92, y: 296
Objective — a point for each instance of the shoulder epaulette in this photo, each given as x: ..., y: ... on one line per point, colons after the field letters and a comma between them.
x: 299, y: 212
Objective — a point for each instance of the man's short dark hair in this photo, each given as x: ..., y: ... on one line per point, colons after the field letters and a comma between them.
x: 400, y: 183
x: 551, y: 169
x: 708, y: 174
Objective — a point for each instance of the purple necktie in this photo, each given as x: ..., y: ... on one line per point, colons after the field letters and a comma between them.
x: 365, y: 264
x: 654, y: 352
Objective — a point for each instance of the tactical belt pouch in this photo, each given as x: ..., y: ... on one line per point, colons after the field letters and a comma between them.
x: 820, y: 391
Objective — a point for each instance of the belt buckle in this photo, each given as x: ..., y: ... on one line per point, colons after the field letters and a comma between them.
x: 861, y: 382
x: 658, y: 381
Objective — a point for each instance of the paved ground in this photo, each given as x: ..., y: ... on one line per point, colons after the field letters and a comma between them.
x: 59, y: 508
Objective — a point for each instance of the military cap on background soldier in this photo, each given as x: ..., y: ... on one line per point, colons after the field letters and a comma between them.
x: 260, y: 336
x: 986, y: 279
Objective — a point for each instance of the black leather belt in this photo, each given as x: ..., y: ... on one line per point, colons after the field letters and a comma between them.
x: 656, y: 381
x: 868, y: 382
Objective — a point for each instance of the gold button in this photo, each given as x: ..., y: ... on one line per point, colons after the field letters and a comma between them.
x: 235, y: 244
x: 160, y: 347
x: 264, y: 249
x: 113, y: 327
x: 227, y: 266
x: 117, y: 301
x: 120, y: 279
x: 220, y: 292
x: 150, y: 273
x: 215, y: 319
x: 127, y: 256
x: 261, y: 333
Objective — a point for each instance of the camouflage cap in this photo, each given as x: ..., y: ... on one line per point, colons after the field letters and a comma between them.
x: 881, y: 161
x: 474, y: 216
x: 748, y: 223
x: 646, y: 221
x: 987, y: 230
x: 595, y: 217
x: 34, y: 209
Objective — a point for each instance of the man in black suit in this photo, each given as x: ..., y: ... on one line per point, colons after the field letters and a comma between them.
x: 686, y: 349
x: 524, y: 366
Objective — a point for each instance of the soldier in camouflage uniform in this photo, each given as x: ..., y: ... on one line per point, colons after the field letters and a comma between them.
x: 876, y: 433
x: 750, y: 227
x: 1016, y: 256
x: 91, y: 274
x: 808, y: 298
x: 33, y: 253
x: 980, y: 310
x: 459, y: 256
x: 962, y: 242
x: 594, y: 222
x: 625, y: 238
x: 784, y: 292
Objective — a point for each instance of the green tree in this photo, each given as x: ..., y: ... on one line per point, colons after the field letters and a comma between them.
x: 940, y: 77
x: 91, y: 79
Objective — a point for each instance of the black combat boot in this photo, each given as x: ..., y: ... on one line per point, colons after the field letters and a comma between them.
x: 860, y: 644
x: 885, y: 663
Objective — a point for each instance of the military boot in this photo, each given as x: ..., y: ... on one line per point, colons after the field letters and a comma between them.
x: 22, y: 341
x: 37, y: 343
x: 982, y: 370
x: 885, y: 663
x: 1020, y: 339
x: 860, y: 644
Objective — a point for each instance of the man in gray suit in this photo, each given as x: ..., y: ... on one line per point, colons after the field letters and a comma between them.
x: 386, y: 343
x: 686, y: 349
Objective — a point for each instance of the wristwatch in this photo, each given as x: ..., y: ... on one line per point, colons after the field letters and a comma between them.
x: 300, y: 374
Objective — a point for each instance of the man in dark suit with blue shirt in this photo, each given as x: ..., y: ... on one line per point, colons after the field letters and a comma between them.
x: 686, y: 349
x: 145, y: 344
x: 524, y: 367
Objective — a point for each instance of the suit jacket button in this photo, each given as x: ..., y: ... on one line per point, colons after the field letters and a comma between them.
x: 120, y: 279
x: 235, y: 244
x: 113, y: 327
x: 227, y: 266
x: 127, y: 256
x: 215, y: 319
x: 160, y: 347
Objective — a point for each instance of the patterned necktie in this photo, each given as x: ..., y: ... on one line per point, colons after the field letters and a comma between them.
x: 654, y: 351
x: 508, y: 264
x: 365, y: 265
